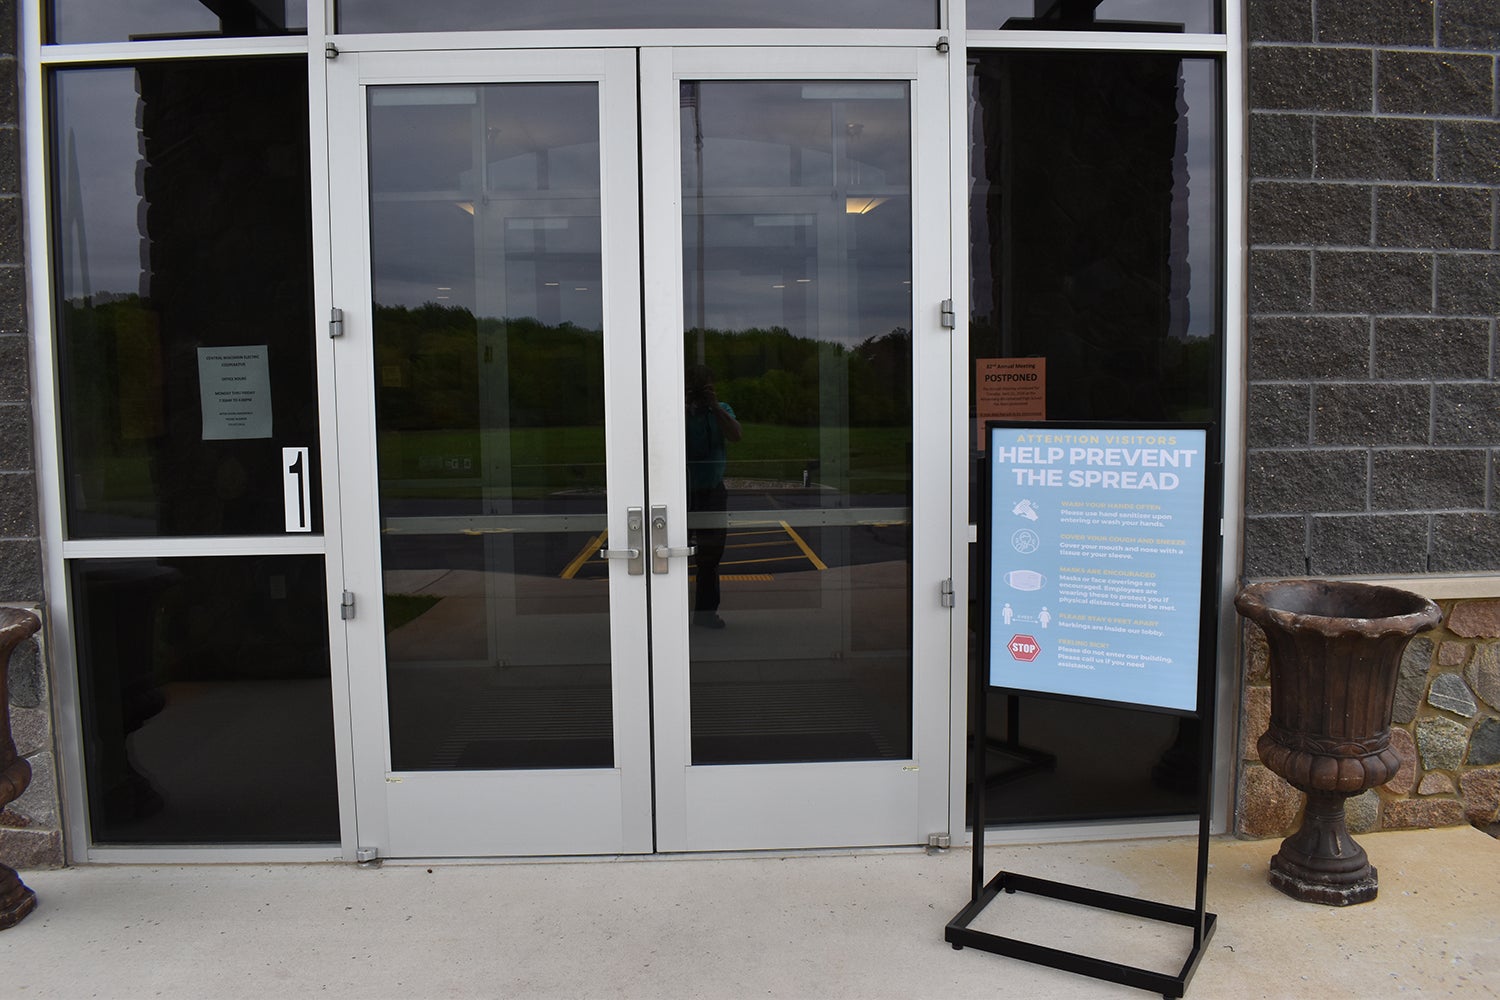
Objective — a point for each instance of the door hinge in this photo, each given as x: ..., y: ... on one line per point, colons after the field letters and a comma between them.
x: 368, y: 857
x: 939, y: 841
x: 330, y: 51
x: 336, y: 322
x: 948, y: 598
x: 346, y: 605
x: 949, y: 320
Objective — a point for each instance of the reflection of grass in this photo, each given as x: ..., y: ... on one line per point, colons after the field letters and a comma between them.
x: 546, y: 460
x: 403, y: 608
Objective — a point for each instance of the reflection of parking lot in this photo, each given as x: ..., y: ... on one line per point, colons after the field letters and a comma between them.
x: 750, y: 553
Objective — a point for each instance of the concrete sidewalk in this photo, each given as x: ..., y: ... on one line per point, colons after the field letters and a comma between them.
x: 863, y: 925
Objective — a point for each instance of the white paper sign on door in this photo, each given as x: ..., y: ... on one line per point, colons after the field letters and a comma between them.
x: 296, y: 489
x: 234, y: 386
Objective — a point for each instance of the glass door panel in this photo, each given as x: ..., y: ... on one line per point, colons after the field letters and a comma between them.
x: 499, y: 386
x: 486, y: 264
x: 798, y: 252
x: 495, y: 311
x: 797, y: 288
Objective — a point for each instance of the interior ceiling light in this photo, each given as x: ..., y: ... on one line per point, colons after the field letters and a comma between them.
x: 467, y: 206
x: 862, y: 205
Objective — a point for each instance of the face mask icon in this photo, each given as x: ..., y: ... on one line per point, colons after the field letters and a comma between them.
x: 1025, y: 579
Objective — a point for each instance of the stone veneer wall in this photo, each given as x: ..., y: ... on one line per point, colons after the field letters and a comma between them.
x: 30, y: 828
x: 1373, y: 380
x: 1445, y: 725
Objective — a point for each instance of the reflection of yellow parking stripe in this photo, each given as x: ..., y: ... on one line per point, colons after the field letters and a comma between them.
x: 812, y: 556
x: 594, y: 545
x: 767, y: 559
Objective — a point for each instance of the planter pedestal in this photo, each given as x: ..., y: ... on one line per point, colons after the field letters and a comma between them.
x: 16, y: 901
x: 1335, y: 649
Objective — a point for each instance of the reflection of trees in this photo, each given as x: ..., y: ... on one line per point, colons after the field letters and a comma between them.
x: 774, y: 377
x: 473, y: 399
x: 430, y: 359
x: 429, y: 362
x: 100, y: 330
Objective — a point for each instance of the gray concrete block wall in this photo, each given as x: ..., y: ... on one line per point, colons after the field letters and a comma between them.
x: 1374, y: 230
x: 30, y: 828
x: 1374, y: 363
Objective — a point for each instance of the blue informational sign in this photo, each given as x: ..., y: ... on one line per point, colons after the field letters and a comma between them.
x: 1096, y: 562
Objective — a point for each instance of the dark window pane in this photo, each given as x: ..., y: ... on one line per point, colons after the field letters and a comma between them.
x: 1094, y: 15
x: 1094, y: 229
x: 122, y: 20
x: 1132, y: 765
x: 207, y: 709
x: 1095, y: 244
x: 185, y: 330
x: 356, y: 16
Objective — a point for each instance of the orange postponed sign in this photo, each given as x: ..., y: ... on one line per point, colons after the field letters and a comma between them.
x: 1009, y: 389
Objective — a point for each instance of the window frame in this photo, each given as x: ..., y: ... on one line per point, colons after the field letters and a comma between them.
x: 319, y: 43
x: 1228, y: 48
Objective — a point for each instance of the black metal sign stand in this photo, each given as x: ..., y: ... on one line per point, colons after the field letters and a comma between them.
x: 961, y: 935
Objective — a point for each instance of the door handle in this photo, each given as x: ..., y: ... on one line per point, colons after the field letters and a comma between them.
x: 660, y: 550
x: 635, y: 541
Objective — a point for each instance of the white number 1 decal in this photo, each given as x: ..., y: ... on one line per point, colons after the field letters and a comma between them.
x: 296, y: 489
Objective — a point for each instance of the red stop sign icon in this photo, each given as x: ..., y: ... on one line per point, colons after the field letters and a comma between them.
x: 1024, y: 648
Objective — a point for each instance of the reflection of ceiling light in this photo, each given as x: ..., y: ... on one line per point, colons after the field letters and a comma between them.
x: 853, y: 91
x: 528, y: 224
x: 445, y: 288
x: 778, y: 286
x: 803, y: 281
x: 424, y: 96
x: 467, y: 206
x: 580, y: 289
x: 862, y: 205
x: 550, y: 284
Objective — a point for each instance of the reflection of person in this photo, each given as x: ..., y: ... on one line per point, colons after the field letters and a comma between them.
x: 710, y: 424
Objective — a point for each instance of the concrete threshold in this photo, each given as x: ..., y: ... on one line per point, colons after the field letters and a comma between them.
x: 857, y: 925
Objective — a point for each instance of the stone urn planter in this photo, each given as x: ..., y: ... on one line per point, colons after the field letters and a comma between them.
x: 1335, y: 648
x: 15, y: 773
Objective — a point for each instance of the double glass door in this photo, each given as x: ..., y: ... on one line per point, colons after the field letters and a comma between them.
x: 644, y: 439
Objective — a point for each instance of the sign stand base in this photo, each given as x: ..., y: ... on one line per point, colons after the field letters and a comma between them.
x: 961, y: 935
